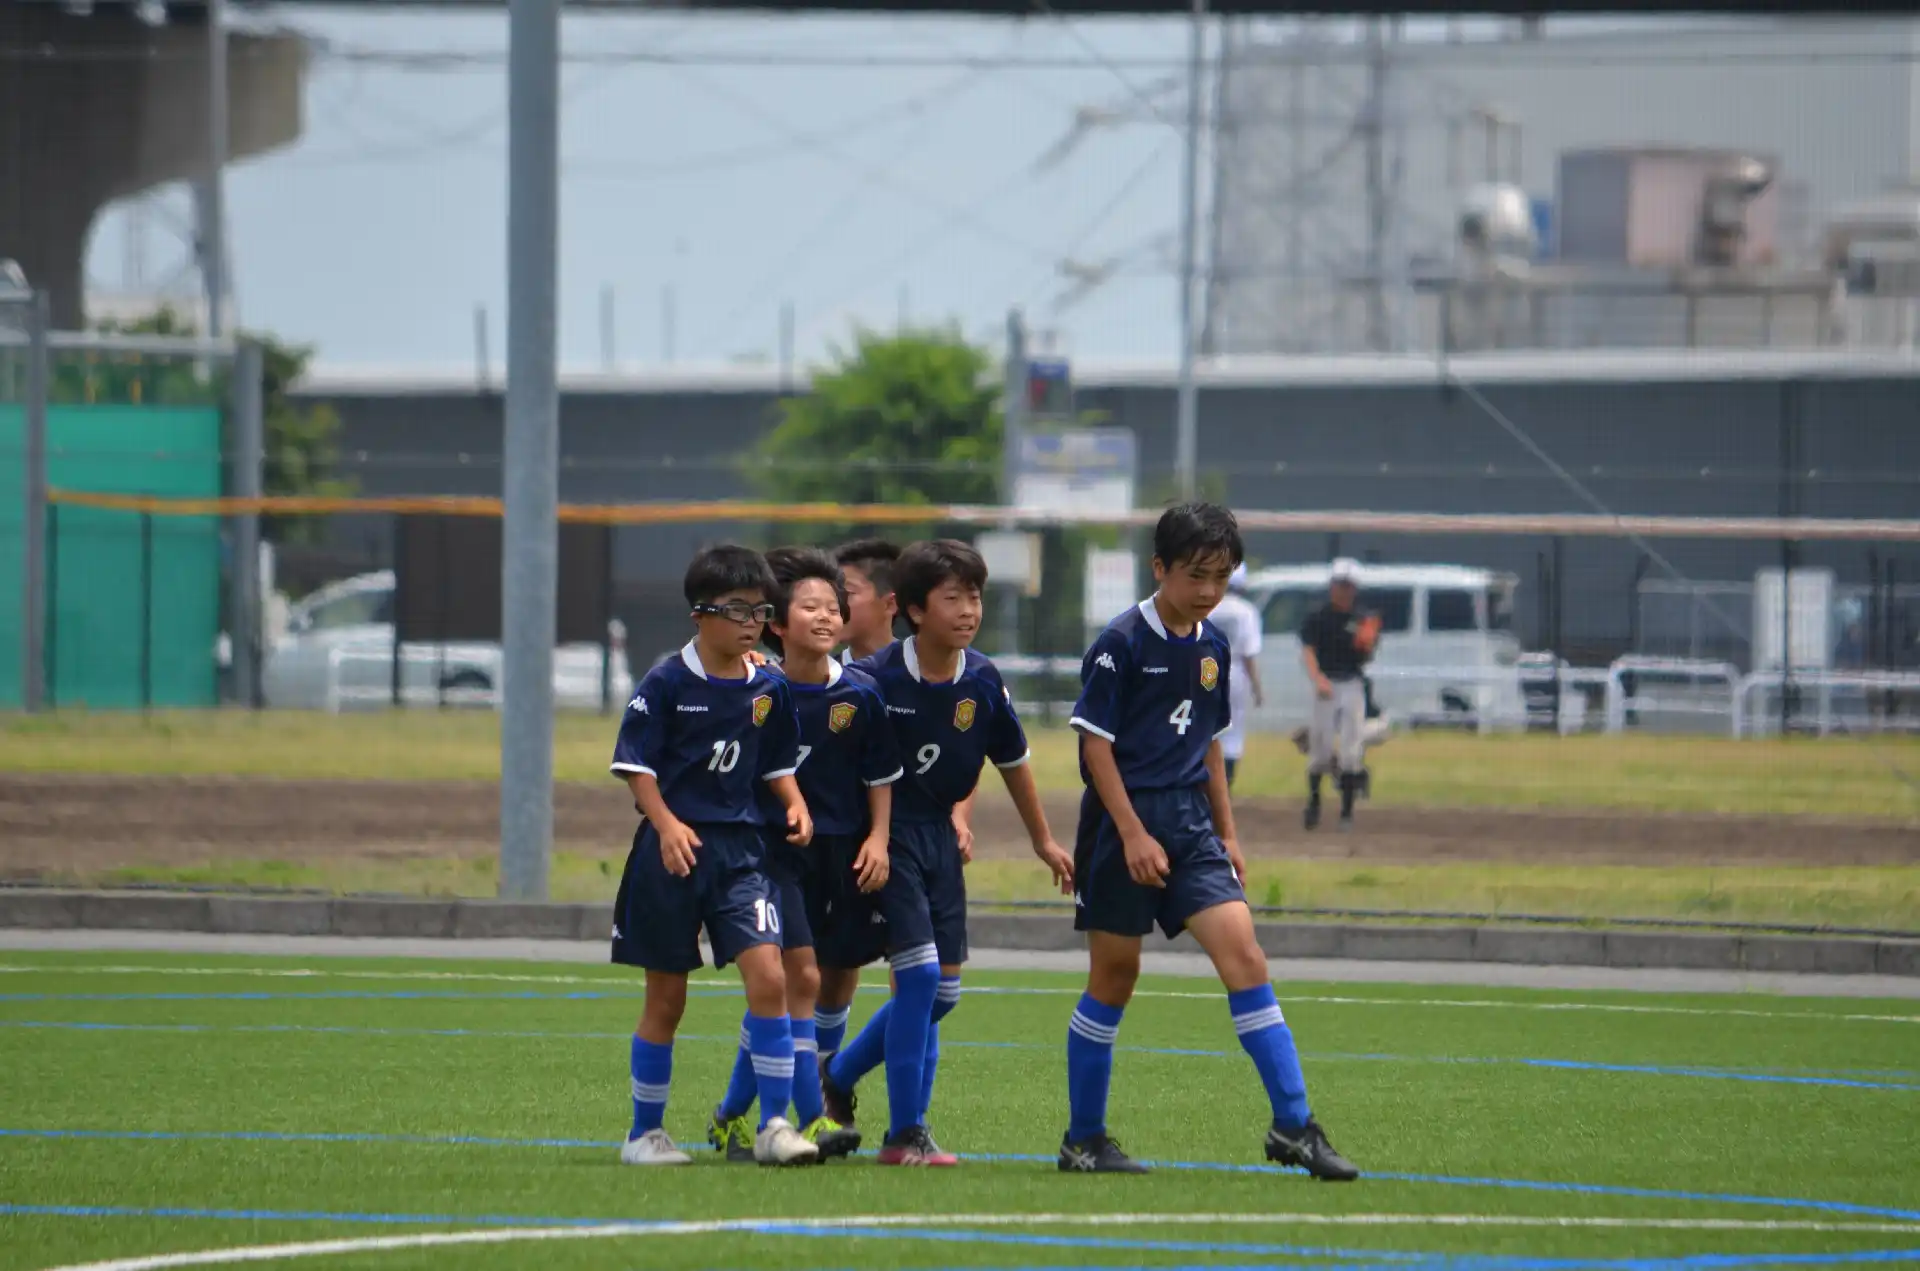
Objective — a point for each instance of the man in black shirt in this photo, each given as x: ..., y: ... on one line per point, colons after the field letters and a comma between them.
x: 1336, y: 643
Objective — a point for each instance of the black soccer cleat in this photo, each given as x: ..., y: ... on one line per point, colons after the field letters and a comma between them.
x: 1307, y: 1148
x: 1097, y: 1154
x: 840, y: 1103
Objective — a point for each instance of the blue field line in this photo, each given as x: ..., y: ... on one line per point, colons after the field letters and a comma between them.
x: 364, y: 995
x: 1443, y: 1180
x: 1758, y: 1077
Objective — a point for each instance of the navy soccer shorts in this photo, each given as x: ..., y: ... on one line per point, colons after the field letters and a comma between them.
x: 790, y: 872
x: 925, y: 899
x: 1106, y: 897
x: 657, y: 917
x: 849, y: 927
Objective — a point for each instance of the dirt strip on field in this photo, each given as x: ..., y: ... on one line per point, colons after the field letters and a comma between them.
x: 67, y: 823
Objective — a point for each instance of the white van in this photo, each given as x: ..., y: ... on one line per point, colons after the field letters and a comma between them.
x: 1447, y: 652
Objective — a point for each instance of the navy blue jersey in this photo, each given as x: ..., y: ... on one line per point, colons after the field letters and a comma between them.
x: 945, y: 730
x: 709, y: 742
x: 846, y: 745
x: 1160, y: 699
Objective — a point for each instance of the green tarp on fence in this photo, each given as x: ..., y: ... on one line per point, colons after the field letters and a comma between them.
x: 95, y: 561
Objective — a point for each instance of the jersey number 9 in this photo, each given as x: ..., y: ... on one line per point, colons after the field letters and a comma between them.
x: 927, y: 756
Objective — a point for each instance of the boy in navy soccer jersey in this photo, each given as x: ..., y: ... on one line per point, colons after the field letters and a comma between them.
x: 848, y: 764
x: 866, y: 564
x: 704, y: 729
x: 950, y: 714
x: 1156, y: 842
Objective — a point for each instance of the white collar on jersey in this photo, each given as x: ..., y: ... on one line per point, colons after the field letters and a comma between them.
x: 1151, y: 613
x: 910, y: 655
x: 691, y: 656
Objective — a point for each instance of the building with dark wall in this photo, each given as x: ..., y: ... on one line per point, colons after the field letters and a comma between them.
x: 1747, y: 435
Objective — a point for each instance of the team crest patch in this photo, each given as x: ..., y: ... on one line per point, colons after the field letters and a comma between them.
x: 1209, y: 673
x: 963, y: 714
x: 840, y: 718
x: 762, y: 707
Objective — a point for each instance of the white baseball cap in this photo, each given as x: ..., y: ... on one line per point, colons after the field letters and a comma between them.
x: 1345, y: 570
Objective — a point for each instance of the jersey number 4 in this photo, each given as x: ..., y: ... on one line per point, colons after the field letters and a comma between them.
x: 1182, y: 717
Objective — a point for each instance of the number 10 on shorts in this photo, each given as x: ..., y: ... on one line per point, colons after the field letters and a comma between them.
x: 766, y: 916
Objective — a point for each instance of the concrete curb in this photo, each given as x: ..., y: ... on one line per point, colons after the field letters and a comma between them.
x: 483, y: 919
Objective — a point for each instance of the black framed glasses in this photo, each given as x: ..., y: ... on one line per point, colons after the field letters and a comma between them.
x: 738, y: 611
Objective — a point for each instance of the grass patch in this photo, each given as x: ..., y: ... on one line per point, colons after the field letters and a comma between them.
x: 367, y: 1100
x: 1855, y: 779
x: 1879, y: 897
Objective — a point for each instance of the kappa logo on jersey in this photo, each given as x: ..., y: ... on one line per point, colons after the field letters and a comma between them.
x: 638, y: 704
x: 763, y: 707
x: 840, y: 717
x: 1209, y: 673
x: 963, y: 714
x: 1106, y: 660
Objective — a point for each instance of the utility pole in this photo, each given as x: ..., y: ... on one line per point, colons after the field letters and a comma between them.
x: 1376, y: 152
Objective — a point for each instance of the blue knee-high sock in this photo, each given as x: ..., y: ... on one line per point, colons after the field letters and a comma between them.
x: 771, y: 1038
x: 1090, y: 1037
x: 831, y: 1029
x: 945, y: 998
x: 865, y: 1052
x: 916, y: 980
x: 1265, y: 1037
x: 807, y: 1106
x: 744, y: 1085
x: 652, y: 1069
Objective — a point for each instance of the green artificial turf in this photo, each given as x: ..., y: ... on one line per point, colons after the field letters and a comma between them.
x: 1807, y: 1099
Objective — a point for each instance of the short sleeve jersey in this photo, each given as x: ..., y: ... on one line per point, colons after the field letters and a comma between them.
x: 709, y: 742
x: 846, y: 746
x: 1161, y: 699
x: 946, y: 730
x: 1330, y: 634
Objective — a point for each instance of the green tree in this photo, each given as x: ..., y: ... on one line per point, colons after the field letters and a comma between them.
x: 302, y: 441
x: 909, y: 418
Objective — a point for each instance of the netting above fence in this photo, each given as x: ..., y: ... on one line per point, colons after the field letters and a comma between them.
x: 1566, y: 525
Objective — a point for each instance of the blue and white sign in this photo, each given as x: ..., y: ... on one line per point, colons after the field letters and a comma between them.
x: 1076, y: 470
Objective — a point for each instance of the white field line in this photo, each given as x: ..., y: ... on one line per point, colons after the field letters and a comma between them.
x: 610, y: 981
x: 509, y: 1235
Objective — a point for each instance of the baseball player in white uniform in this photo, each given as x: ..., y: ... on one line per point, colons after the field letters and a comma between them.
x: 1239, y: 622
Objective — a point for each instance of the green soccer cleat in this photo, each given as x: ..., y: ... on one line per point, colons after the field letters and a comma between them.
x: 832, y: 1138
x: 733, y: 1137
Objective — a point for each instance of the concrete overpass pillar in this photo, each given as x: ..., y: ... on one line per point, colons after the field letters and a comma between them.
x: 102, y: 106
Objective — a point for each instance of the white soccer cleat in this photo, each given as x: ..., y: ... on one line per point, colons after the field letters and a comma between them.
x: 778, y: 1143
x: 654, y: 1148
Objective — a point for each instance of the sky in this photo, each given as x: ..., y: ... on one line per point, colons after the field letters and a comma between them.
x: 852, y: 192
x: 715, y: 170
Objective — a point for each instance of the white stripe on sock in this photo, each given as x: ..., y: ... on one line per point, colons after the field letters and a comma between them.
x: 746, y: 1038
x: 805, y: 1043
x: 773, y: 1067
x: 643, y: 1093
x: 832, y: 1019
x: 1254, y: 1021
x: 949, y: 991
x: 919, y: 955
x: 1092, y: 1031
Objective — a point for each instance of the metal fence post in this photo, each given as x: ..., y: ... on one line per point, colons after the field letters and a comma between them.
x: 146, y: 611
x: 249, y: 459
x: 34, y: 609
